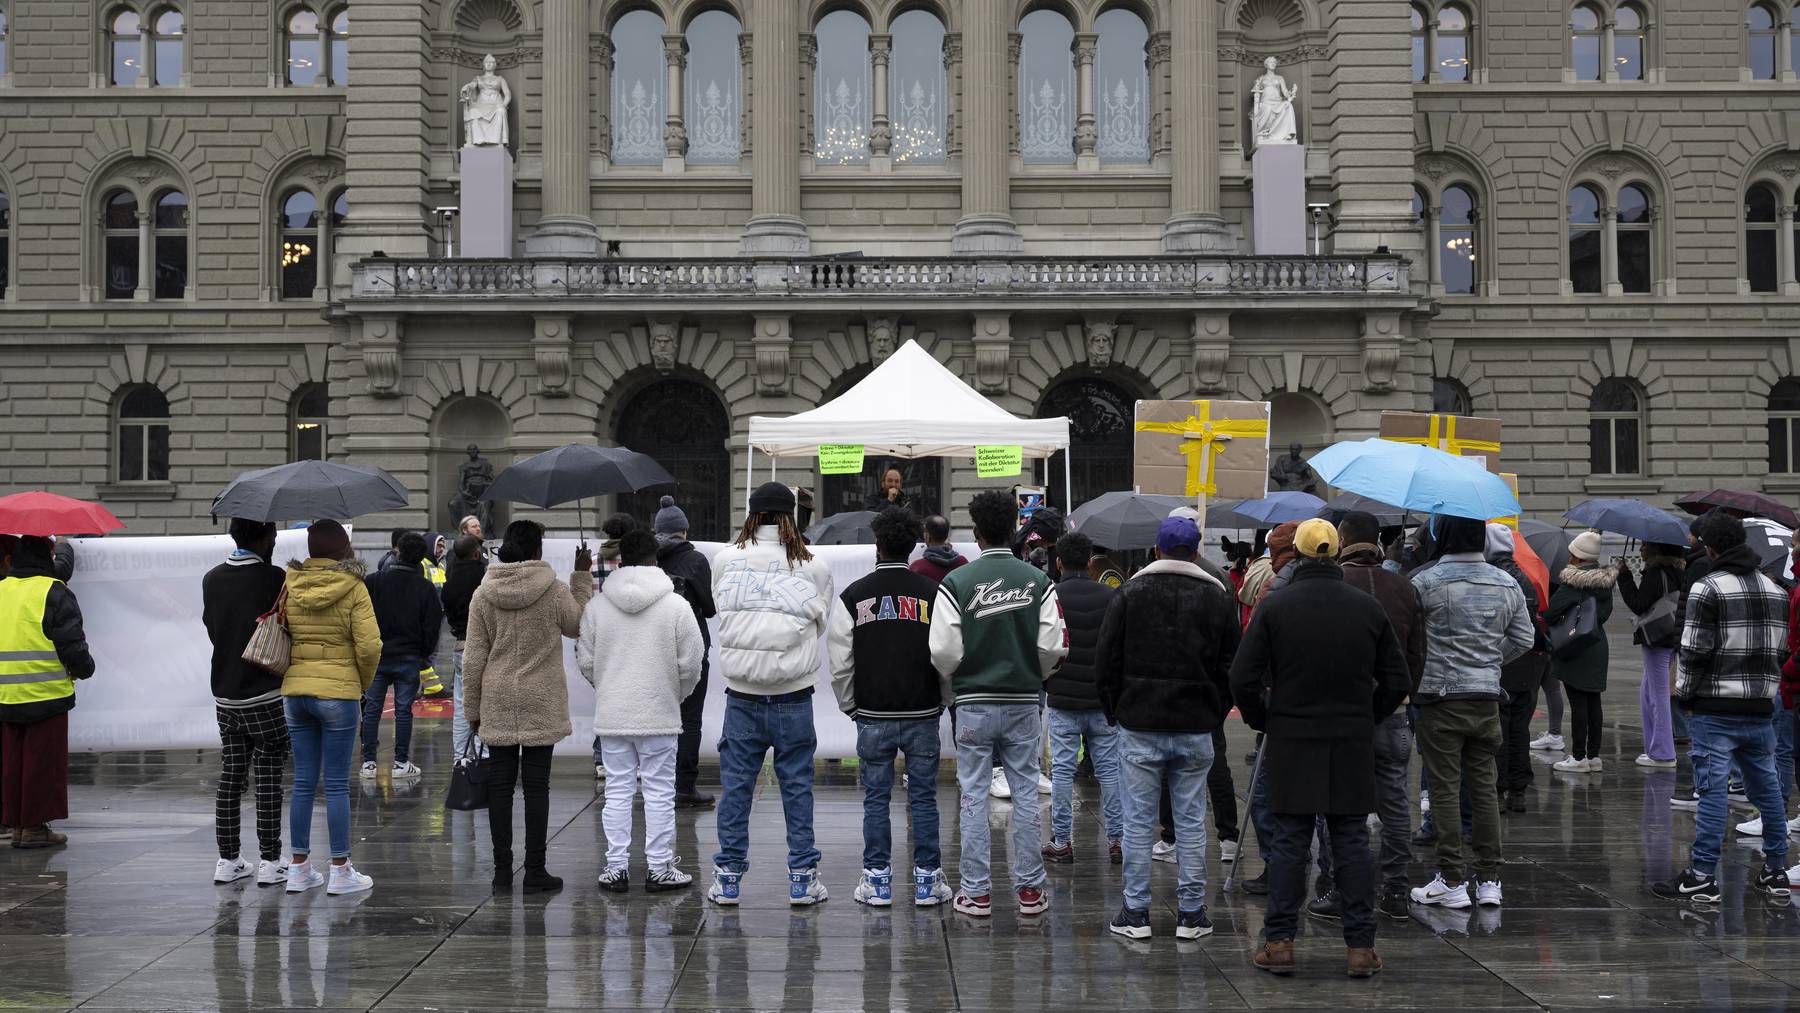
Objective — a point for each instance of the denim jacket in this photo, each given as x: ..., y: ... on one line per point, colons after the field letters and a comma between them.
x: 1475, y: 621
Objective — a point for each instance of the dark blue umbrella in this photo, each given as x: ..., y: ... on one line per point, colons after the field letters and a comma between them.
x: 1630, y: 518
x: 1280, y: 507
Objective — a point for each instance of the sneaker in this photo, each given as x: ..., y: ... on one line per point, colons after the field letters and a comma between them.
x: 614, y: 879
x: 998, y: 787
x: 1794, y: 825
x: 1571, y: 765
x: 1228, y: 851
x: 724, y: 888
x: 975, y: 907
x: 1794, y: 876
x: 405, y: 770
x: 876, y: 888
x: 1394, y: 904
x: 804, y: 888
x: 1425, y: 803
x: 1644, y: 760
x: 1734, y: 792
x: 368, y: 770
x: 1593, y: 765
x: 1060, y: 852
x: 345, y: 879
x: 1115, y: 852
x: 1441, y: 894
x: 1162, y: 851
x: 1131, y: 924
x: 599, y: 771
x: 1192, y: 924
x: 1487, y: 894
x: 270, y: 873
x: 929, y: 888
x: 1033, y: 900
x: 1690, y: 885
x: 1325, y: 906
x: 5, y: 832
x: 302, y: 877
x: 230, y: 870
x: 1548, y: 741
x: 1751, y: 827
x: 1043, y: 785
x: 1688, y: 802
x: 1426, y: 834
x: 669, y: 877
x: 1773, y: 880
x: 695, y: 800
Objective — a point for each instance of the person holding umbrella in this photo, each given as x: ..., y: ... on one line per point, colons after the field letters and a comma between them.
x: 1657, y: 633
x: 1583, y: 675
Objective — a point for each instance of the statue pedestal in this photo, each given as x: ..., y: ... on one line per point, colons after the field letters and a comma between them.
x: 485, y: 226
x: 1279, y: 199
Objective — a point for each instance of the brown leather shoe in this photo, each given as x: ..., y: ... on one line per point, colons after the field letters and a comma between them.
x: 1364, y: 962
x: 40, y: 836
x: 1276, y: 956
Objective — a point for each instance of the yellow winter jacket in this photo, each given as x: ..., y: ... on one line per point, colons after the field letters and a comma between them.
x: 337, y: 643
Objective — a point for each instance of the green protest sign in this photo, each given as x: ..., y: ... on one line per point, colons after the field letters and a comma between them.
x: 840, y: 458
x: 998, y: 462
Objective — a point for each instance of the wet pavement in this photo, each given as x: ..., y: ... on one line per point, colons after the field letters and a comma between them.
x: 126, y: 916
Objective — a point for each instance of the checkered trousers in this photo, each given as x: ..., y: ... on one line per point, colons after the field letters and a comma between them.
x: 255, y: 737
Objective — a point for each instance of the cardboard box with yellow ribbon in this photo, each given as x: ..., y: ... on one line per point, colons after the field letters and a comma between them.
x: 1462, y: 435
x: 1202, y: 448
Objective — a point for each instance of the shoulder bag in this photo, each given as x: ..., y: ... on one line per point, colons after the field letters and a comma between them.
x: 270, y: 647
x: 468, y: 781
x: 1577, y: 630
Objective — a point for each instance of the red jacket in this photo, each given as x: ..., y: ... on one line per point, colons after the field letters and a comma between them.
x: 1790, y: 669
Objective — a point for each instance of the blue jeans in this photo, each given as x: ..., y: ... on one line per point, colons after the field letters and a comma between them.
x: 1145, y: 757
x: 1010, y: 735
x: 1066, y: 731
x: 1719, y: 743
x: 1783, y: 723
x: 403, y: 675
x: 876, y: 744
x: 459, y: 725
x: 322, y: 732
x: 753, y: 727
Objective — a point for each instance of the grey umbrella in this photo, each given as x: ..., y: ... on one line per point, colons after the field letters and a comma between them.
x: 1125, y: 520
x: 309, y: 490
x: 1550, y: 542
x: 574, y: 472
x: 852, y: 527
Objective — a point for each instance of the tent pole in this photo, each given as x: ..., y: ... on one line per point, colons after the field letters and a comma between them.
x: 749, y: 472
x: 1068, y: 483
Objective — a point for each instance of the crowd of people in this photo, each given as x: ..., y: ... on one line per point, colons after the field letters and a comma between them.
x: 1346, y: 650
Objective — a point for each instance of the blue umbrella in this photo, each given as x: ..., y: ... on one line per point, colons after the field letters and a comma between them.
x: 1413, y: 477
x: 1280, y: 507
x: 1630, y: 518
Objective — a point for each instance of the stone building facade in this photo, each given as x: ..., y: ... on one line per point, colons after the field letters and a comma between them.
x: 230, y: 233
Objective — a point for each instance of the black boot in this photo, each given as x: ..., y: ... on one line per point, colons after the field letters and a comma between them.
x: 502, y: 873
x: 539, y: 881
x: 1258, y: 886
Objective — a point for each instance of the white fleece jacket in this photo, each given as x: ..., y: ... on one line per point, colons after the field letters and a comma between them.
x: 640, y: 646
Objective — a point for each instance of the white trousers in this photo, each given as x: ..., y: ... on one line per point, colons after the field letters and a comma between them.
x: 639, y: 763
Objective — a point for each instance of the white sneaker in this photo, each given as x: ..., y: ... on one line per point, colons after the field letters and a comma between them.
x: 1043, y: 785
x: 271, y: 873
x: 1644, y: 760
x: 875, y: 888
x: 599, y: 771
x: 929, y: 888
x: 1425, y: 802
x: 1548, y: 741
x: 669, y: 877
x: 1571, y: 765
x: 1593, y: 765
x: 230, y: 870
x: 1794, y: 825
x: 1794, y: 876
x: 1751, y: 827
x: 804, y: 887
x: 1228, y: 851
x: 1162, y: 851
x: 1440, y: 894
x: 302, y: 877
x: 345, y: 879
x: 405, y: 771
x: 1687, y: 803
x: 999, y: 788
x: 368, y: 771
x: 1488, y: 894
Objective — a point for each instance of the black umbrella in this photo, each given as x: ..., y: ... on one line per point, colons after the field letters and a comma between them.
x: 575, y: 472
x: 1385, y: 515
x: 1550, y: 542
x: 853, y: 527
x: 1125, y: 520
x: 307, y: 490
x: 1771, y: 542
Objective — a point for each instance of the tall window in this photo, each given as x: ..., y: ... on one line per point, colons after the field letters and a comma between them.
x: 1760, y: 23
x: 5, y: 241
x: 311, y: 415
x: 916, y: 104
x: 637, y: 89
x: 1452, y: 53
x: 338, y: 44
x: 1047, y: 101
x: 1450, y: 397
x: 143, y: 435
x: 1628, y: 42
x: 125, y: 47
x: 2, y: 42
x: 1100, y: 415
x: 1417, y: 24
x: 842, y: 109
x: 1456, y: 240
x: 304, y: 57
x: 166, y: 28
x: 1634, y: 239
x: 1585, y: 235
x: 1615, y: 429
x: 120, y: 237
x: 714, y: 80
x: 1761, y: 238
x: 1584, y: 42
x: 169, y: 229
x: 1122, y: 88
x: 1784, y: 427
x: 299, y: 244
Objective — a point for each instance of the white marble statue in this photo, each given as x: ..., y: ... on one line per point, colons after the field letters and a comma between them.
x: 484, y: 107
x: 1272, y: 109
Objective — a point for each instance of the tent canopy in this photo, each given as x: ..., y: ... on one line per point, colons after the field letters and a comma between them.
x: 909, y: 406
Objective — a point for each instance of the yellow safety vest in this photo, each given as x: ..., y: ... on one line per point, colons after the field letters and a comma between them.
x: 434, y: 573
x: 30, y: 671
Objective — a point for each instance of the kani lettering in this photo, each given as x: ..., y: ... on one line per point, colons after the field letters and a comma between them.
x: 992, y: 598
x: 894, y: 607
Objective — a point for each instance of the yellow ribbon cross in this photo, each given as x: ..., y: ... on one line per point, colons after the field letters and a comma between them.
x: 1447, y: 441
x: 1203, y: 440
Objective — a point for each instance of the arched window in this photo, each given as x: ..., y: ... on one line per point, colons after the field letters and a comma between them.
x: 916, y: 105
x: 1761, y: 238
x: 120, y: 235
x: 1585, y: 269
x: 1417, y: 25
x: 299, y: 251
x: 337, y: 40
x: 5, y: 242
x: 166, y: 40
x: 1634, y: 260
x: 1760, y: 23
x: 305, y: 56
x: 714, y: 81
x: 1628, y: 42
x: 637, y: 89
x: 1122, y: 88
x: 1615, y: 429
x: 1784, y: 427
x: 169, y: 229
x: 842, y: 109
x: 142, y: 453
x: 3, y: 38
x: 1450, y: 397
x: 1456, y: 240
x: 1584, y: 42
x: 1047, y: 101
x: 1100, y: 432
x: 125, y: 48
x: 1451, y: 57
x: 683, y: 426
x: 310, y: 417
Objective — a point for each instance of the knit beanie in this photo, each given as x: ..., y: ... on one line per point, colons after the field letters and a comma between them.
x: 1586, y: 545
x: 772, y: 498
x: 669, y: 520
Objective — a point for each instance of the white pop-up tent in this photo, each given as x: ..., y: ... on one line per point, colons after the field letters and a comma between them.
x: 909, y: 406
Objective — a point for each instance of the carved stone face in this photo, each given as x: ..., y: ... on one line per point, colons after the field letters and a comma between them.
x: 1269, y: 64
x: 662, y: 348
x: 488, y: 63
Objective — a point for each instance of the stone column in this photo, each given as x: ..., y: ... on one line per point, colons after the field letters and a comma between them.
x: 1609, y: 68
x: 565, y: 226
x: 1434, y: 242
x: 1784, y: 250
x: 881, y: 129
x: 775, y: 225
x: 1609, y: 252
x: 146, y: 279
x: 675, y: 144
x: 986, y: 225
x: 1087, y: 134
x: 1784, y: 50
x: 1195, y: 225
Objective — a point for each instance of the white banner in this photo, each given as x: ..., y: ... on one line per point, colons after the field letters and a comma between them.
x: 140, y: 602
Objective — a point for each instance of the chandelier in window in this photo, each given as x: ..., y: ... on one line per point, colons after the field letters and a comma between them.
x: 843, y: 135
x: 917, y: 135
x: 293, y: 252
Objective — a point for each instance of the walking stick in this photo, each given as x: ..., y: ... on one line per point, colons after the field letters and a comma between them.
x: 1249, y: 830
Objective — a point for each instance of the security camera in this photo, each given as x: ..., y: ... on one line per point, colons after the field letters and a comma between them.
x: 1320, y: 212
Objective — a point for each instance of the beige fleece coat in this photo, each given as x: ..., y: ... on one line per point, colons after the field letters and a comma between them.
x: 513, y: 681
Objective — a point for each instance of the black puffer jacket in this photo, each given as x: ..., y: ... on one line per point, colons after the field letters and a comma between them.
x: 1165, y: 651
x: 1084, y: 601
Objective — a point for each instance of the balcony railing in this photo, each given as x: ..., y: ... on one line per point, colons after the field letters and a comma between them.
x: 827, y: 277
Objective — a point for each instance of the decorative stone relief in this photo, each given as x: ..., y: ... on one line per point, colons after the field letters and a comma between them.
x: 993, y: 347
x: 772, y: 339
x: 881, y: 339
x: 1100, y: 333
x: 381, y: 355
x: 550, y: 347
x: 502, y: 61
x: 663, y: 344
x: 1212, y: 351
x: 1381, y: 351
x: 1254, y: 58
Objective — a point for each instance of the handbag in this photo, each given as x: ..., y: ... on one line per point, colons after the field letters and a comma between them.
x: 270, y: 647
x: 1660, y: 622
x: 468, y: 781
x: 1577, y: 630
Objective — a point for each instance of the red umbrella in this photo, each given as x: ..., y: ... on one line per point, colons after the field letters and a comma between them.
x: 1741, y: 503
x: 47, y: 515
